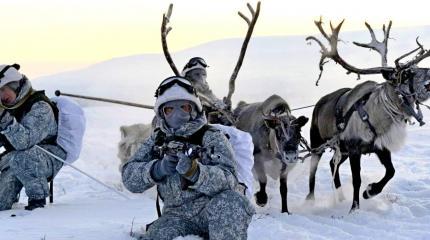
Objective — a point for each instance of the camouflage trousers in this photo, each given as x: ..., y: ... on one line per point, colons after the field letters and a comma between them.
x: 226, y: 216
x: 30, y: 169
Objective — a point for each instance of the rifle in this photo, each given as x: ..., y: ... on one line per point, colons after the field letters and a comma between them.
x: 172, y: 148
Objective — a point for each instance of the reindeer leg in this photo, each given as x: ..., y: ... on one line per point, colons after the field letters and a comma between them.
x: 283, y: 189
x: 335, y: 173
x: 375, y: 188
x: 354, y: 159
x: 313, y: 169
x: 261, y: 195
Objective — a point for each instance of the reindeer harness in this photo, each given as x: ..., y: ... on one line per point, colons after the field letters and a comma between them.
x: 343, y: 119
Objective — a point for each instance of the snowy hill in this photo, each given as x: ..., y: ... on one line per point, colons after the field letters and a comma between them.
x: 283, y: 65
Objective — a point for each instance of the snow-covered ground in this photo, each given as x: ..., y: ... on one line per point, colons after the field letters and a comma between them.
x: 85, y: 210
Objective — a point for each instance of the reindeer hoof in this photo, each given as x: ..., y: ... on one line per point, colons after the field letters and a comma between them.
x: 370, y: 191
x: 286, y: 211
x: 261, y: 199
x: 355, y: 206
x: 310, y: 197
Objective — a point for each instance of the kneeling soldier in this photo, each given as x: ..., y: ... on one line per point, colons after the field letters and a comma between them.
x: 27, y: 118
x: 193, y: 167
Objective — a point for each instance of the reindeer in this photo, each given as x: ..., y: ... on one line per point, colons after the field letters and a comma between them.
x: 369, y: 118
x: 276, y: 136
x: 275, y: 132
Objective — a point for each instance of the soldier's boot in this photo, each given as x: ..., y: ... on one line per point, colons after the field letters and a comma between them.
x: 35, y: 203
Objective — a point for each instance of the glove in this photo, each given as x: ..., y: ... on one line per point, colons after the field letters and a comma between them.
x: 164, y: 167
x: 188, y: 168
x: 5, y: 120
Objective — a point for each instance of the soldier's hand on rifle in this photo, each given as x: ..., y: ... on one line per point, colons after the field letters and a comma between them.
x: 164, y: 167
x: 173, y: 147
x: 187, y: 167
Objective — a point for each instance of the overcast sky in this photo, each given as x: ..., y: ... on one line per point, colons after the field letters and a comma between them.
x: 48, y: 36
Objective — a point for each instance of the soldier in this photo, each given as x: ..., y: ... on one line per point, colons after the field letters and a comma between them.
x: 27, y: 119
x: 195, y: 72
x: 193, y: 168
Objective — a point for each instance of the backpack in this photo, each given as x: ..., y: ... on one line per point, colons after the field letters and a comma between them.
x: 71, y: 127
x: 243, y: 149
x: 241, y: 143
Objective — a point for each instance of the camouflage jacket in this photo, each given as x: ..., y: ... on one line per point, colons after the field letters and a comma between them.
x: 30, y: 128
x: 217, y: 172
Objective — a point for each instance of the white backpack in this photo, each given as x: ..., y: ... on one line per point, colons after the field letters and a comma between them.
x: 243, y: 150
x: 71, y: 127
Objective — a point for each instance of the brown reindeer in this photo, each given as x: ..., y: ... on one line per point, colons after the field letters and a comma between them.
x: 369, y: 118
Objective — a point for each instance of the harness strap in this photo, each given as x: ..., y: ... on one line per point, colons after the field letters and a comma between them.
x: 342, y: 120
x: 407, y: 106
x: 364, y: 116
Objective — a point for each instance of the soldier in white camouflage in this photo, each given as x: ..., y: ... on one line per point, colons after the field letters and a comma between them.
x: 27, y: 118
x: 195, y: 72
x: 193, y: 168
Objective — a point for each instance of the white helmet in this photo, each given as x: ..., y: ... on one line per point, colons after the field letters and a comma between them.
x: 9, y: 73
x: 176, y: 88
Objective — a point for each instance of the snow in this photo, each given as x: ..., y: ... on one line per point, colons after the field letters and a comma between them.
x: 85, y: 210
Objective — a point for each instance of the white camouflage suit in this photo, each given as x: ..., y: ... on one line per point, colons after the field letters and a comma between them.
x: 209, y: 208
x: 24, y: 165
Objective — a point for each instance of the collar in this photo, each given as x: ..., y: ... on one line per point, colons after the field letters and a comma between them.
x: 186, y: 130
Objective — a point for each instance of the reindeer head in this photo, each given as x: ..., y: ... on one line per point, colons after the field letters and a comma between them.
x: 286, y: 129
x: 411, y: 82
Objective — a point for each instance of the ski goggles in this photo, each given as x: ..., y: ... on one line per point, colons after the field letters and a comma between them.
x: 194, y: 61
x: 186, y: 108
x: 169, y: 82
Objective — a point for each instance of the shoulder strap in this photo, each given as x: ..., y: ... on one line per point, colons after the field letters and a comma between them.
x: 197, y: 137
x: 157, y: 204
x: 35, y: 97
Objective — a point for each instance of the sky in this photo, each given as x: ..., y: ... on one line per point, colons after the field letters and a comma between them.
x: 50, y: 36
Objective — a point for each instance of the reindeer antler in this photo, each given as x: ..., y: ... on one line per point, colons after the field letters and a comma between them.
x: 251, y: 23
x: 164, y: 31
x: 334, y: 54
x: 397, y: 61
x: 380, y: 47
x: 418, y: 58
